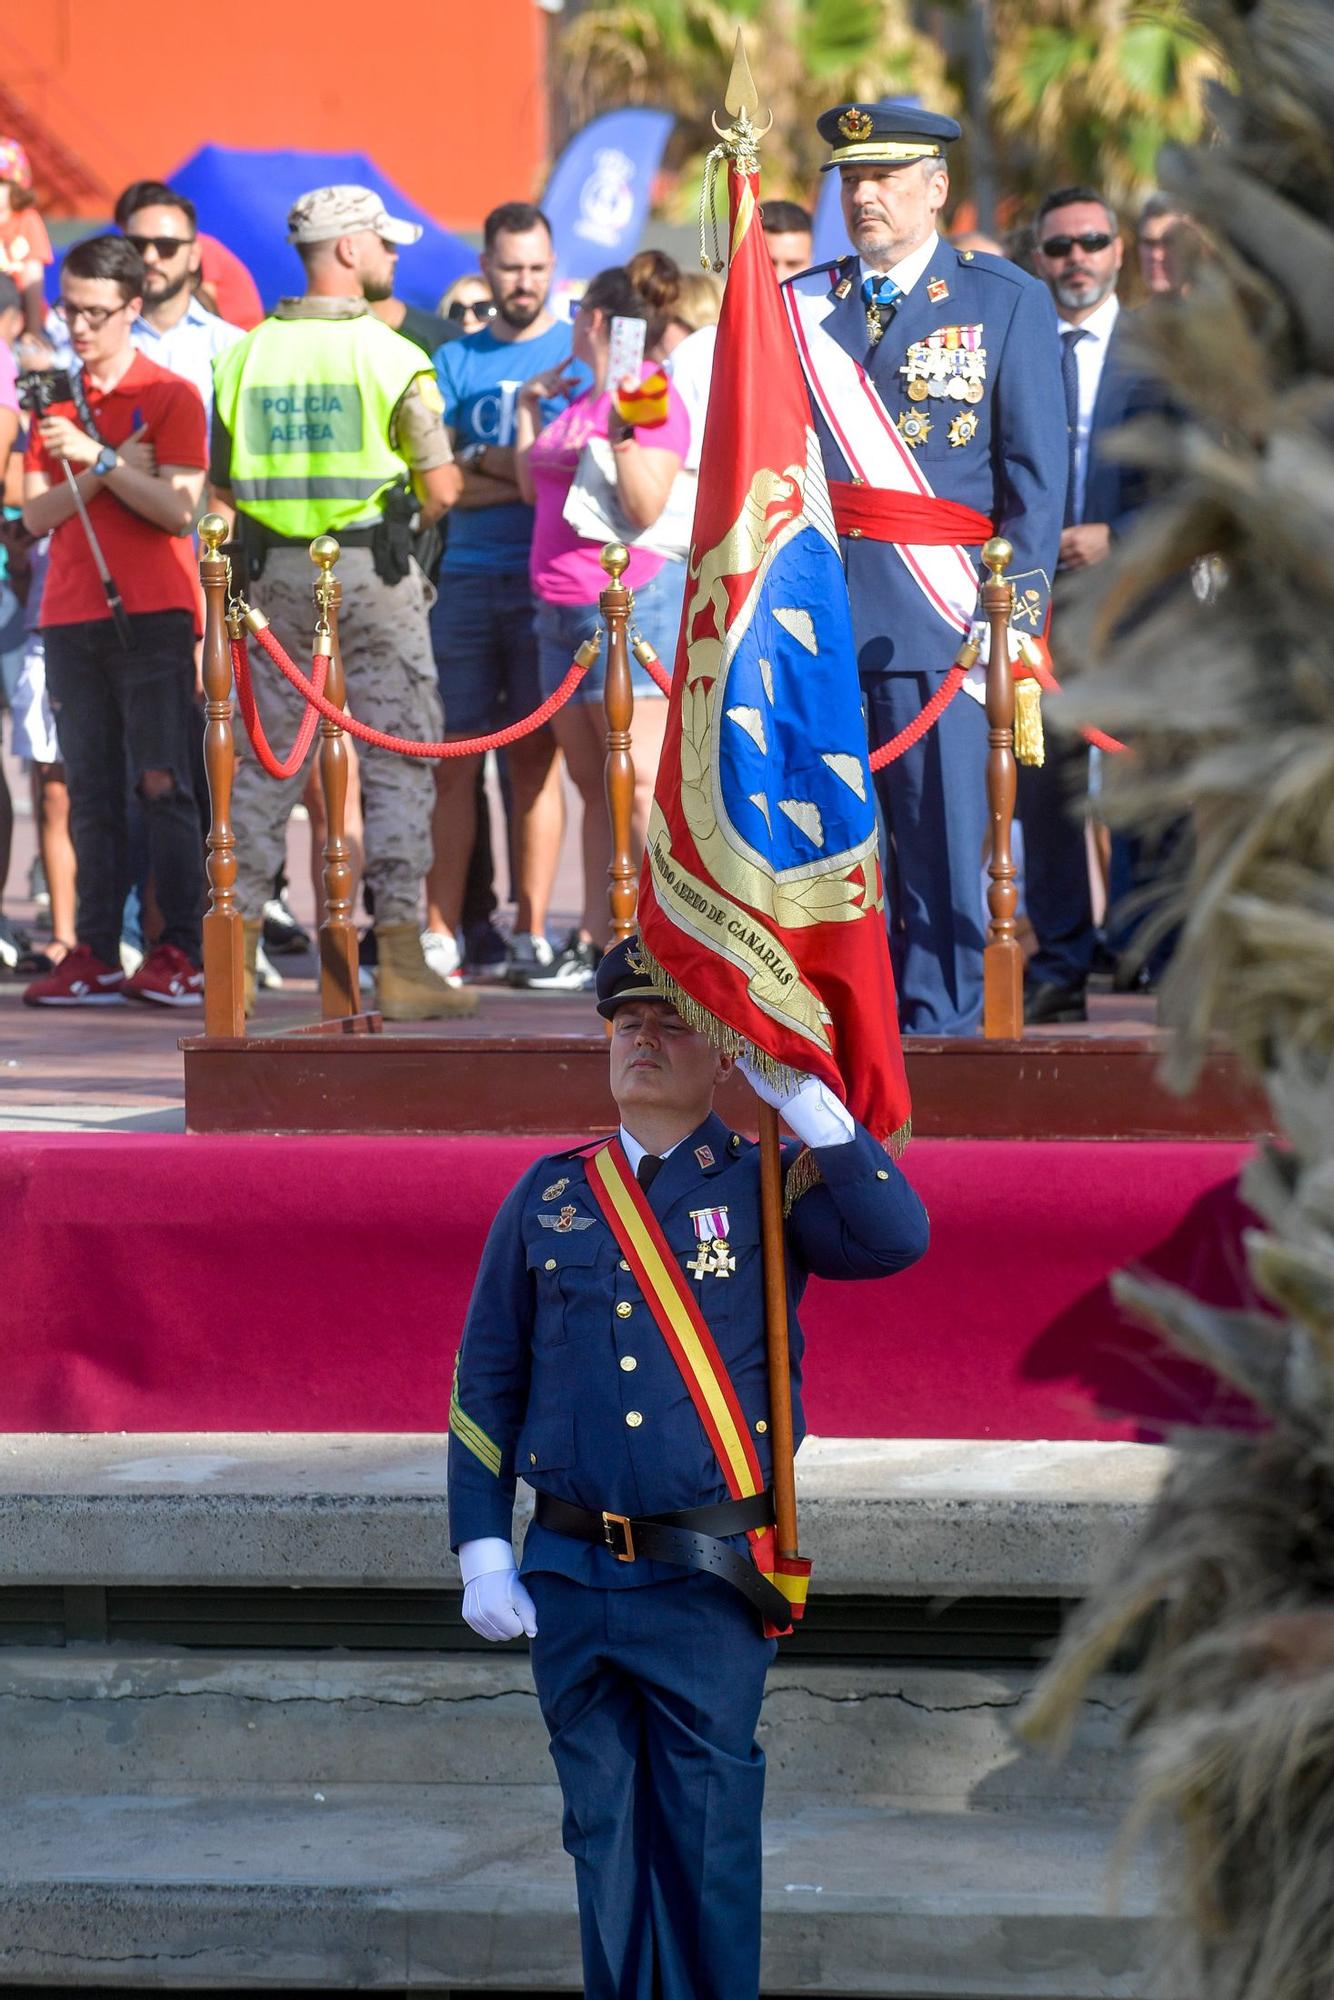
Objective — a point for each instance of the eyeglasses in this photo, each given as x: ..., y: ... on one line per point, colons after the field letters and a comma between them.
x: 165, y: 246
x: 1061, y: 246
x: 93, y: 316
x: 479, y: 308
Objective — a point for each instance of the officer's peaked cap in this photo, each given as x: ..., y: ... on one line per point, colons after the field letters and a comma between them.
x: 622, y: 976
x: 889, y: 134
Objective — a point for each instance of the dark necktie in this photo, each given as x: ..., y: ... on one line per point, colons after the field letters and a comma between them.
x: 1070, y: 338
x: 648, y: 1170
x: 881, y: 295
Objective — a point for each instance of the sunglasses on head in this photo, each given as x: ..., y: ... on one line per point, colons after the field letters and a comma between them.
x: 1061, y: 246
x: 165, y: 246
x: 479, y: 308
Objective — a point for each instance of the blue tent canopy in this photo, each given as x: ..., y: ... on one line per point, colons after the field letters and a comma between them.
x: 243, y: 198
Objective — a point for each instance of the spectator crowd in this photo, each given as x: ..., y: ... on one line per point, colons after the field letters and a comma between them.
x: 494, y: 463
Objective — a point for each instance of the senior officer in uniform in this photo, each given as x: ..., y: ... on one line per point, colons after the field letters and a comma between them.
x: 328, y: 422
x: 649, y: 1671
x: 935, y: 384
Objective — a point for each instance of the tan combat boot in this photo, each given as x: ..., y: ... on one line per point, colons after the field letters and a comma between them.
x: 408, y: 989
x: 251, y: 930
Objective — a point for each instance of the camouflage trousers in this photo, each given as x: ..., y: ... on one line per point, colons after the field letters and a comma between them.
x: 391, y: 685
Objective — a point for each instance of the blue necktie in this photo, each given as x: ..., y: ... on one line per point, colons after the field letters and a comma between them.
x: 881, y: 295
x: 1070, y: 338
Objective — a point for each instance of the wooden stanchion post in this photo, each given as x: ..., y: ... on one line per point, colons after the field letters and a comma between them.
x: 340, y: 994
x: 1003, y: 959
x: 619, y: 704
x: 777, y: 1349
x: 224, y: 938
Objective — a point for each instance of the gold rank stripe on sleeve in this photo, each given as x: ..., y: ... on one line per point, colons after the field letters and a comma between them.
x: 462, y: 1427
x: 677, y: 1316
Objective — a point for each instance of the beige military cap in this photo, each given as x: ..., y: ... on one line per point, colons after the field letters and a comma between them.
x: 327, y: 212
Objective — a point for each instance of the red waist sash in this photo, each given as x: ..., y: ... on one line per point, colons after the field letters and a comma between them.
x: 882, y: 516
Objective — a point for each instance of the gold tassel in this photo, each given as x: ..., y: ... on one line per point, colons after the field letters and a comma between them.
x: 1029, y: 747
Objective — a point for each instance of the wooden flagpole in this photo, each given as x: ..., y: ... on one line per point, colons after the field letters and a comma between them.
x: 774, y: 1251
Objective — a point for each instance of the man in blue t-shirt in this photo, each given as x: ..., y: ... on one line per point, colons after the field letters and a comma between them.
x: 482, y: 624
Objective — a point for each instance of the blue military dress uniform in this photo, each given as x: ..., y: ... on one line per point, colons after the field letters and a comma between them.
x: 649, y: 1677
x: 1002, y: 455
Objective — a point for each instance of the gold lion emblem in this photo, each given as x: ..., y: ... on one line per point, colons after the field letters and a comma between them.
x: 856, y: 124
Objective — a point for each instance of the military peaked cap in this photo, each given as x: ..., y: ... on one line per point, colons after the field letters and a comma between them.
x: 621, y: 977
x: 889, y: 134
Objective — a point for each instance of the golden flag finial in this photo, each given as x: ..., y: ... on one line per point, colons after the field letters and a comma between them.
x: 742, y: 96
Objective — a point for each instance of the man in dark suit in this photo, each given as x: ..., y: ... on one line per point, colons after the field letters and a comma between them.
x: 1078, y: 255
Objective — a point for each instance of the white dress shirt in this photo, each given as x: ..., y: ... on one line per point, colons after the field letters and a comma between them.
x: 634, y: 1152
x: 189, y: 347
x: 1090, y: 357
x: 908, y: 269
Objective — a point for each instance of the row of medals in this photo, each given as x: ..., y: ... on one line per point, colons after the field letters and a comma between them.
x: 955, y: 373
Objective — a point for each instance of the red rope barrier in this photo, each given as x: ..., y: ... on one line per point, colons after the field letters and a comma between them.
x: 463, y: 746
x: 245, y: 694
x: 1047, y: 681
x: 930, y: 714
x: 653, y: 667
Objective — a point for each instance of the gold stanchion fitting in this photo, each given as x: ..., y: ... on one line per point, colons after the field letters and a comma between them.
x: 212, y: 533
x: 998, y: 554
x: 590, y: 652
x: 324, y: 551
x: 1029, y: 650
x: 256, y: 620
x: 615, y: 559
x: 966, y: 657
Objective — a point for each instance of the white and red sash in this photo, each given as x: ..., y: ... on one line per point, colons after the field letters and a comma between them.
x: 852, y: 409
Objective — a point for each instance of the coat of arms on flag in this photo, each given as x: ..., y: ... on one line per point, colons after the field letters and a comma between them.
x: 761, y: 900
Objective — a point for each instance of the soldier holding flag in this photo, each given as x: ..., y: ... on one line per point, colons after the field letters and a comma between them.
x: 632, y: 1349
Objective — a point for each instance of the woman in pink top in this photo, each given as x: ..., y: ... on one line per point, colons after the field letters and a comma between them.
x: 567, y: 578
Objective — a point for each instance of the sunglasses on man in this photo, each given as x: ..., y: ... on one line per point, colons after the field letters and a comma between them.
x: 165, y: 246
x: 479, y: 308
x: 1060, y: 246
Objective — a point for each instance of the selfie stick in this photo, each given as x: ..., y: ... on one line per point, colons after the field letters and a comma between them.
x: 119, y: 616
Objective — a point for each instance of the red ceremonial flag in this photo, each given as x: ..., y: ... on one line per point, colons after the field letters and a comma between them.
x: 761, y: 898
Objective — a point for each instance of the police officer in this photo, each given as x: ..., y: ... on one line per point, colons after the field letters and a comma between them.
x: 642, y: 1603
x: 328, y: 422
x: 935, y: 385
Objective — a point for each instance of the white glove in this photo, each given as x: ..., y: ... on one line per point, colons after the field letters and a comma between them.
x: 495, y: 1603
x: 810, y: 1110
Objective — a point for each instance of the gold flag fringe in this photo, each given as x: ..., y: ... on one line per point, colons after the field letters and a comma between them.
x: 732, y: 1042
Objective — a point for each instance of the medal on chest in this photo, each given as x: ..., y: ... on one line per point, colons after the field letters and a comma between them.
x: 712, y: 1259
x: 951, y: 362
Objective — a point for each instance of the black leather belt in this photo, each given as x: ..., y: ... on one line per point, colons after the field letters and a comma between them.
x: 688, y: 1538
x: 348, y: 538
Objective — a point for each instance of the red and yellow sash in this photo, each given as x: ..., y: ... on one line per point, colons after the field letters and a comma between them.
x: 677, y: 1315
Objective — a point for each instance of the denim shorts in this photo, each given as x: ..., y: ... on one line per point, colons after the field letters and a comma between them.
x: 485, y: 648
x: 562, y: 629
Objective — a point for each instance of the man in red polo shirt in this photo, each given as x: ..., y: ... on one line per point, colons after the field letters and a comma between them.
x: 134, y: 437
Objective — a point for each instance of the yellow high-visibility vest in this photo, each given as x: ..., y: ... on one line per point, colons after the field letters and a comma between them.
x: 308, y: 403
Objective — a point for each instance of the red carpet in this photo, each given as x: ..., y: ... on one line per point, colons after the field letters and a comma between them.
x: 195, y: 1284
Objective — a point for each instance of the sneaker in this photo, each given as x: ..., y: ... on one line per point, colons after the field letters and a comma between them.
x: 440, y: 949
x: 281, y: 930
x: 167, y: 978
x: 267, y: 978
x: 528, y: 954
x: 80, y: 980
x: 15, y: 944
x: 485, y: 951
x: 572, y: 970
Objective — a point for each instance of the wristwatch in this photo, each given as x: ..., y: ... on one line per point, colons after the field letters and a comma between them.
x: 471, y: 454
x: 106, y: 461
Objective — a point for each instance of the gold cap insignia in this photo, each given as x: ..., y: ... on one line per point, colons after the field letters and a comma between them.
x: 856, y: 124
x: 634, y: 958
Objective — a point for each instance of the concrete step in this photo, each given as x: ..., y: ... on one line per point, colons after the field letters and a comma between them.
x: 77, y: 1720
x: 887, y: 1517
x: 467, y: 1886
